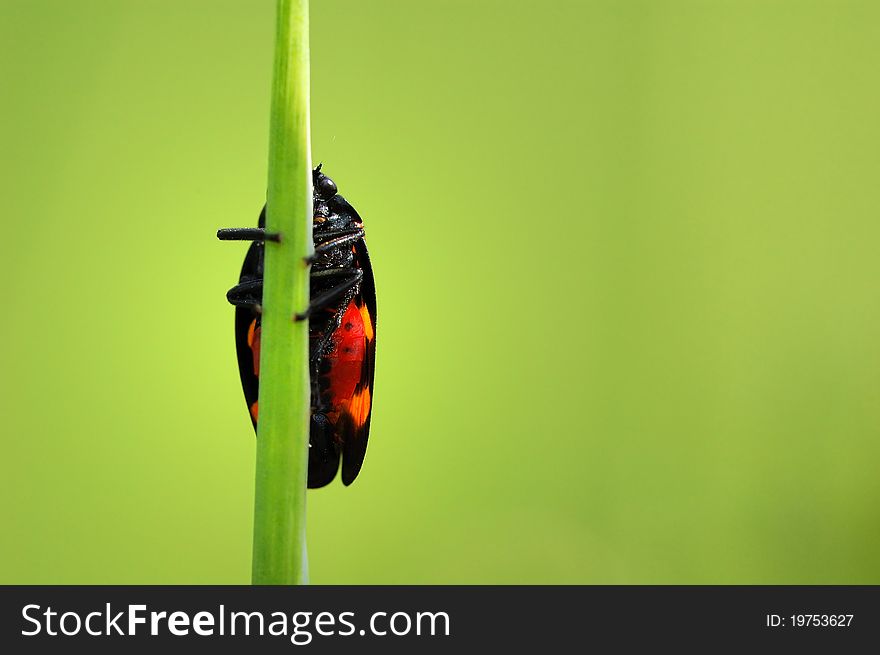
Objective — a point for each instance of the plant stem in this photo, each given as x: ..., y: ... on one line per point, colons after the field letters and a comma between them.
x: 279, y: 555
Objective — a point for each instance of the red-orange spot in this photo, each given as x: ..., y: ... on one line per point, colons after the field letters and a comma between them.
x: 359, y: 406
x: 254, y: 343
x: 347, y: 358
x: 254, y: 410
x: 368, y: 323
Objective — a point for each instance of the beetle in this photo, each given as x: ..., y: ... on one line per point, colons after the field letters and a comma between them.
x: 342, y: 331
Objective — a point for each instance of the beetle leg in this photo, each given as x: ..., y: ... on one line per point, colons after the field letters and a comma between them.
x: 340, y: 238
x: 329, y: 238
x: 247, y: 234
x: 246, y: 294
x: 324, y: 299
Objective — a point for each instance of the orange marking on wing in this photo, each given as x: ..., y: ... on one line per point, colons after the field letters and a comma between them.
x: 359, y: 406
x: 347, y: 357
x: 254, y: 343
x: 368, y: 323
x: 255, y: 410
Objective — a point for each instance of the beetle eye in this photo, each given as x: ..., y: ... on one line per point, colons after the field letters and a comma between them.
x: 326, y: 187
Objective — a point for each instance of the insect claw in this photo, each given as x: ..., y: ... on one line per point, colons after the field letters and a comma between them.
x: 310, y: 259
x: 301, y: 316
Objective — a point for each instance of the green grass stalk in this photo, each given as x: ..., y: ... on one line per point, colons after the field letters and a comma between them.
x: 279, y: 554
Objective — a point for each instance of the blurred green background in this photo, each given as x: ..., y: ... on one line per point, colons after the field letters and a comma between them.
x: 627, y: 261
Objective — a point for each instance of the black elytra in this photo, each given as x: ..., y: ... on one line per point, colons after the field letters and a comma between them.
x: 342, y: 331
